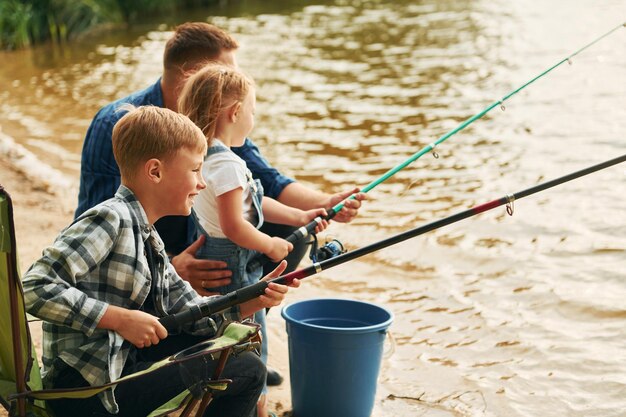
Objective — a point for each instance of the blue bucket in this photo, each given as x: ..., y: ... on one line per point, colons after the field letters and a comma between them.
x: 335, y: 351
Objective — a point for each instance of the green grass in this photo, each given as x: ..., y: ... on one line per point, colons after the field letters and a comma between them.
x: 29, y: 22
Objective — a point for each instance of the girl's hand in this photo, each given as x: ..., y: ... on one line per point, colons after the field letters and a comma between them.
x: 309, y: 215
x: 279, y: 249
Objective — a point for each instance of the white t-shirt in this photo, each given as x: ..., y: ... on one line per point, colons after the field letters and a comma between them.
x: 223, y: 172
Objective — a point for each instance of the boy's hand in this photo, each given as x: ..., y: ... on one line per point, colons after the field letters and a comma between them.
x: 274, y: 293
x: 279, y: 249
x: 141, y: 329
x: 310, y: 215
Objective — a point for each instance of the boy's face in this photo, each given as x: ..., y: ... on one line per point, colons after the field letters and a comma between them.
x: 245, y: 118
x: 181, y: 181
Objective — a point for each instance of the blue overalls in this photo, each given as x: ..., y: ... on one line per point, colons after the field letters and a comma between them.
x: 236, y: 257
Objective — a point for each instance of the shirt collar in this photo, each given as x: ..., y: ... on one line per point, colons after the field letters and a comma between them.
x: 156, y: 94
x: 147, y: 230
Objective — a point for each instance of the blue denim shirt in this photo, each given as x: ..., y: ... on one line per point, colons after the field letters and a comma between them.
x: 100, y: 175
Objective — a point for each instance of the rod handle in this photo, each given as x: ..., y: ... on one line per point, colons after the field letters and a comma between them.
x: 174, y: 322
x: 300, y: 233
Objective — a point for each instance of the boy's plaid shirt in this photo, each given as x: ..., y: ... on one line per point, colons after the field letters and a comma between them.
x: 99, y: 260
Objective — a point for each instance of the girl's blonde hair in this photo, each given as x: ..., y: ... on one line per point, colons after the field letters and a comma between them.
x: 210, y: 91
x: 148, y: 132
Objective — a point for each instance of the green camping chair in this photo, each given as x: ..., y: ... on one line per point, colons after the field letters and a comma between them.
x: 21, y: 390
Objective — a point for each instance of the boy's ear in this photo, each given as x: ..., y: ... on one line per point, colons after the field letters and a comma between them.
x: 153, y: 169
x: 233, y: 113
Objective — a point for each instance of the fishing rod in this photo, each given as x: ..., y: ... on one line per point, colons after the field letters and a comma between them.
x: 304, y: 231
x: 175, y: 321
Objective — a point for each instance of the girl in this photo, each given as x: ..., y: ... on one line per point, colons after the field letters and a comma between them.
x: 221, y: 101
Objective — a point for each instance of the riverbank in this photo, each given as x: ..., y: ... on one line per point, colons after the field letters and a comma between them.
x: 40, y: 212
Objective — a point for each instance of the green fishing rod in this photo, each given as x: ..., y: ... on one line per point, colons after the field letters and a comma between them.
x: 219, y: 303
x: 304, y: 231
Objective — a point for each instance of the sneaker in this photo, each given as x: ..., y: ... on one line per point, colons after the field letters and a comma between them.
x: 273, y: 378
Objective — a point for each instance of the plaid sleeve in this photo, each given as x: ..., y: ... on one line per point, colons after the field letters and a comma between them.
x: 51, y: 285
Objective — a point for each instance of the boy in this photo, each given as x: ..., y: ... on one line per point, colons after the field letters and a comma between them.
x: 102, y: 284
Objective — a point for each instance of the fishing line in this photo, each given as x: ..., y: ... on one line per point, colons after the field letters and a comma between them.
x: 309, y: 228
x: 222, y: 302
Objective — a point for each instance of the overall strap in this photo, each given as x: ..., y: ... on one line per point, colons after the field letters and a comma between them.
x: 212, y: 150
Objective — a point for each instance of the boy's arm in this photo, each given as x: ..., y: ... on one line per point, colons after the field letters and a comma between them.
x: 50, y: 285
x: 139, y: 328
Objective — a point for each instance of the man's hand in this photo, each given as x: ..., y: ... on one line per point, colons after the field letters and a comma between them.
x: 351, y: 207
x: 202, y: 274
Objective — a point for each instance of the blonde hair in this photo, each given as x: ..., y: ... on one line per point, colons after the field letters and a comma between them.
x: 210, y: 91
x: 148, y: 132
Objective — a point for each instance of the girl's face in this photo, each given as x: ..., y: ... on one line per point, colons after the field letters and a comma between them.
x: 245, y: 119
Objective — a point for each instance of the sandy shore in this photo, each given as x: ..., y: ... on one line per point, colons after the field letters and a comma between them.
x: 39, y: 216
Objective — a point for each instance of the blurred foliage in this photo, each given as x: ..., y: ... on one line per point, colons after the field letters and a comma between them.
x: 28, y: 22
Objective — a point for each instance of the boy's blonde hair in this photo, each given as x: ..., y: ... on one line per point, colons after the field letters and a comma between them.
x: 210, y: 91
x: 148, y: 132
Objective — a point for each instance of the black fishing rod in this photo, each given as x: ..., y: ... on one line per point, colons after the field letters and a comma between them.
x: 222, y: 302
x: 306, y: 230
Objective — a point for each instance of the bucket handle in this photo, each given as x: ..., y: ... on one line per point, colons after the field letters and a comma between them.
x: 391, y: 345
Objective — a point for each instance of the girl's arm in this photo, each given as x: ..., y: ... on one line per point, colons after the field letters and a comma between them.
x: 242, y: 232
x: 276, y: 212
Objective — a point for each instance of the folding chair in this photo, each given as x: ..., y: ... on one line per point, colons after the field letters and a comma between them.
x: 21, y: 389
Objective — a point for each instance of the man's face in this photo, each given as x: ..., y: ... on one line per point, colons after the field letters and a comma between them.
x: 227, y: 57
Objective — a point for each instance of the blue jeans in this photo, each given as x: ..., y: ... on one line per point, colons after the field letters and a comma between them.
x: 237, y: 258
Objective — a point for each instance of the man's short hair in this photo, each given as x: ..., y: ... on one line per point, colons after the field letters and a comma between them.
x: 194, y: 43
x: 148, y: 132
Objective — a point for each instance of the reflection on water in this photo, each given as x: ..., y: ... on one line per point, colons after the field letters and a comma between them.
x: 496, y: 315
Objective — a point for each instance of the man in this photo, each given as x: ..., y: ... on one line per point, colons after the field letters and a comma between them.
x: 190, y: 47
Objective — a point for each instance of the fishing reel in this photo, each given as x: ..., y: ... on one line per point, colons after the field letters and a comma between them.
x: 330, y: 250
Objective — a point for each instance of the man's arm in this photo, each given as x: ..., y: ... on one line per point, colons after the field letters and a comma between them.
x: 293, y: 194
x: 99, y: 173
x: 304, y: 198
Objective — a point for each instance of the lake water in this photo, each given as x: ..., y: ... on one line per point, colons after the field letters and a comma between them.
x: 496, y: 315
